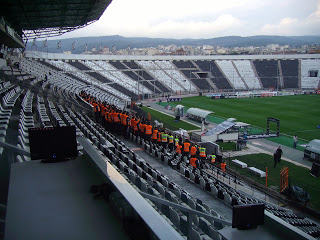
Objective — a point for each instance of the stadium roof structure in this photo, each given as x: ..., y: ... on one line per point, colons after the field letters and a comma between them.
x: 46, y: 18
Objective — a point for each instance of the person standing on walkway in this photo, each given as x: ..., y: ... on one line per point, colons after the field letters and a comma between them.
x: 279, y: 153
x: 295, y: 140
x: 275, y: 159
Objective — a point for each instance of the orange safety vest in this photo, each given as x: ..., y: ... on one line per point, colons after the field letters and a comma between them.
x: 132, y: 122
x: 110, y: 116
x: 223, y: 167
x: 186, y: 147
x: 202, y: 152
x: 135, y: 125
x: 193, y: 150
x: 142, y: 127
x: 116, y: 117
x: 148, y: 129
x: 178, y: 149
x: 155, y: 134
x: 159, y: 137
x: 124, y: 119
x: 193, y: 162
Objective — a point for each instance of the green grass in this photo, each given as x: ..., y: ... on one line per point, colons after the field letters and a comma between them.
x: 226, y: 146
x: 298, y: 114
x: 168, y: 121
x: 298, y: 176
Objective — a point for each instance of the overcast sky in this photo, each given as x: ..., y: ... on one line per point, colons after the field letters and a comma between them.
x: 205, y: 18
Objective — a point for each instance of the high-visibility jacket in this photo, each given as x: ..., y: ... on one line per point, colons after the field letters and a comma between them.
x: 170, y: 139
x: 135, y: 125
x: 159, y: 136
x: 193, y: 150
x: 178, y: 149
x: 148, y: 129
x: 202, y: 151
x: 186, y: 147
x: 123, y: 118
x: 164, y: 137
x: 155, y: 134
x: 142, y: 127
x: 193, y: 162
x: 176, y: 142
x: 213, y: 158
x: 116, y: 117
x: 223, y: 167
x: 131, y: 122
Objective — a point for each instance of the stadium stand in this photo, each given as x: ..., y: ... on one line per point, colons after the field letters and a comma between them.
x: 148, y: 84
x: 184, y: 64
x: 169, y: 68
x: 245, y: 70
x: 78, y: 64
x: 219, y: 80
x: 231, y: 73
x: 161, y: 75
x: 310, y: 72
x: 268, y: 73
x: 290, y: 73
x: 140, y: 173
x: 118, y: 65
x: 201, y: 83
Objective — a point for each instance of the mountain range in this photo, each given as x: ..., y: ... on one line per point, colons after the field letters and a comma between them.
x: 141, y: 42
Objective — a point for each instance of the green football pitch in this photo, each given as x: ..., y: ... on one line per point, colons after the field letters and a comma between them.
x: 299, y: 114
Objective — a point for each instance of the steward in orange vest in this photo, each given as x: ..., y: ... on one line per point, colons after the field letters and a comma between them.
x: 154, y: 135
x: 148, y: 131
x: 193, y: 151
x: 193, y: 162
x: 178, y: 149
x: 223, y: 166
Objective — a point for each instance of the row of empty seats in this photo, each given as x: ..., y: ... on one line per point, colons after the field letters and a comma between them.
x: 148, y: 179
x: 7, y: 103
x: 26, y: 121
